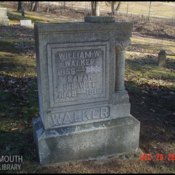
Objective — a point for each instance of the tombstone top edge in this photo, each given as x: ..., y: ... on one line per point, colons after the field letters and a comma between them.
x: 99, y: 19
x: 83, y: 26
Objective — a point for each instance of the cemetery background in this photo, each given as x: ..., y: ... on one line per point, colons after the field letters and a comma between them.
x: 151, y: 89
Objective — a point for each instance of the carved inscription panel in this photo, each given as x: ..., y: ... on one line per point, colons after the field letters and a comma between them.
x: 78, y: 116
x: 77, y: 73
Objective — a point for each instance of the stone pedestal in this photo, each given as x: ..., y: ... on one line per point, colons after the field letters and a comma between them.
x: 3, y: 17
x: 84, y: 107
x: 86, y: 141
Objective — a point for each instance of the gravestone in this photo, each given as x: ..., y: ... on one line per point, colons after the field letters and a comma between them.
x: 3, y: 16
x: 26, y: 22
x: 84, y: 107
x: 162, y: 58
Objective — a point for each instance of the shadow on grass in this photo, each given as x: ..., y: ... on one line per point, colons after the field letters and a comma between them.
x: 20, y: 98
x: 18, y: 143
x: 17, y: 32
x: 20, y: 105
x: 12, y: 65
x: 154, y: 108
x: 153, y: 104
x: 18, y: 40
x: 17, y: 46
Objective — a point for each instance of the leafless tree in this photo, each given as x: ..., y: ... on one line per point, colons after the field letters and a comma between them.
x: 149, y: 10
x: 115, y: 5
x: 34, y: 6
x: 20, y: 6
x: 95, y: 8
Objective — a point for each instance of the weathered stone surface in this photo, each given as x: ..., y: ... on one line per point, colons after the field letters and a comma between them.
x: 86, y: 141
x: 99, y: 19
x: 84, y: 107
x: 3, y: 17
x: 25, y: 22
x: 77, y: 70
x: 162, y: 58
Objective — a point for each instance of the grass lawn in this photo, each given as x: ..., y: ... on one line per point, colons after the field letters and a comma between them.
x: 158, y: 9
x: 151, y: 90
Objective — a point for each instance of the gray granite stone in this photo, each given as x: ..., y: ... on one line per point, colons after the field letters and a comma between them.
x: 86, y: 141
x: 26, y: 22
x: 80, y: 69
x: 3, y: 16
x: 99, y: 19
x: 162, y: 58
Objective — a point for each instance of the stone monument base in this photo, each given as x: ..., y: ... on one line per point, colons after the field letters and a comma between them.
x: 4, y: 21
x: 86, y: 141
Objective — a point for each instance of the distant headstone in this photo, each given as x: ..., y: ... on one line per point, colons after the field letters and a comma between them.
x: 84, y: 107
x: 26, y: 22
x: 162, y: 58
x: 3, y: 17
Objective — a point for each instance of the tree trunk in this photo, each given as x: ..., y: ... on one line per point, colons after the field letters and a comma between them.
x: 118, y: 6
x: 64, y: 4
x: 95, y: 8
x: 149, y: 10
x: 48, y: 8
x: 20, y: 6
x: 127, y: 8
x: 112, y: 8
x: 34, y: 6
x: 31, y: 5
